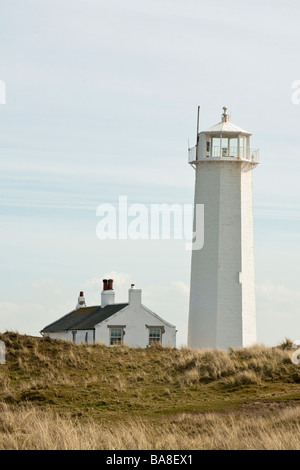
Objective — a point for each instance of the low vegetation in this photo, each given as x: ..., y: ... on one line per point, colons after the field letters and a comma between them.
x: 56, y: 395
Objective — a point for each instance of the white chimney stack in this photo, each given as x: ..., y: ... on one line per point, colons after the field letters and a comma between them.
x: 135, y: 296
x: 108, y: 293
x: 81, y: 301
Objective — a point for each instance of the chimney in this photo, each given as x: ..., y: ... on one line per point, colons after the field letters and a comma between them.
x: 135, y: 296
x: 108, y: 293
x: 81, y: 301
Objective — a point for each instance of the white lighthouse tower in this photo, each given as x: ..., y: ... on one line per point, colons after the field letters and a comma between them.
x: 222, y: 296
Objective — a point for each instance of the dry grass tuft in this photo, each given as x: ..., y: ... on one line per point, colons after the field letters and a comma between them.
x: 29, y: 428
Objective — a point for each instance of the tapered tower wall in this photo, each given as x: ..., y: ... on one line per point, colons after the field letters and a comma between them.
x: 216, y: 298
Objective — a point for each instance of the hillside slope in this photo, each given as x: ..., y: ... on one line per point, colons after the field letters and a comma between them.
x: 155, y: 385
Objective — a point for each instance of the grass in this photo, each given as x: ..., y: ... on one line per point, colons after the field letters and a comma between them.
x: 56, y: 395
x: 29, y: 427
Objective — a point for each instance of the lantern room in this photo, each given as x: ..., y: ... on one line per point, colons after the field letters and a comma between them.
x: 224, y: 141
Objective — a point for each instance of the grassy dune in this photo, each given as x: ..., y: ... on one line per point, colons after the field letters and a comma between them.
x: 55, y: 395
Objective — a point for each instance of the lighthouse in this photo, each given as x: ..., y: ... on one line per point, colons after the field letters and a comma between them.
x: 222, y: 291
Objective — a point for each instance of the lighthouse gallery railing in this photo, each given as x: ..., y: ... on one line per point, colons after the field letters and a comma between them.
x: 244, y: 153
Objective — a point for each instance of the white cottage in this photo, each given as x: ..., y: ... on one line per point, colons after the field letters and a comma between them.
x: 130, y: 323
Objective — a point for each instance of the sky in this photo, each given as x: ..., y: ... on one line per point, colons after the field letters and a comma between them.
x: 101, y: 102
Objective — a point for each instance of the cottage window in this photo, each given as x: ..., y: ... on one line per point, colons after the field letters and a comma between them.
x: 116, y: 336
x: 154, y: 335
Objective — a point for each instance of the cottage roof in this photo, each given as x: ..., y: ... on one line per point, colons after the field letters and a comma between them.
x: 84, y: 318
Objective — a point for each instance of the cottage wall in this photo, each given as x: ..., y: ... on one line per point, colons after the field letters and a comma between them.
x: 77, y: 336
x: 136, y: 321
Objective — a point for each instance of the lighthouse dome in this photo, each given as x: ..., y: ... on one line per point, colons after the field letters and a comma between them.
x: 226, y: 127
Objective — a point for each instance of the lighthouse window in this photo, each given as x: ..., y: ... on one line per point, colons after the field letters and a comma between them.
x: 216, y: 142
x: 242, y: 147
x: 225, y: 147
x: 233, y: 147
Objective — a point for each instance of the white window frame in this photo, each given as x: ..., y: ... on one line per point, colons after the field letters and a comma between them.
x: 121, y: 337
x: 155, y: 327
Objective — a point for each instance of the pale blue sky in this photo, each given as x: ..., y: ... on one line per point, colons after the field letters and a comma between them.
x: 101, y: 101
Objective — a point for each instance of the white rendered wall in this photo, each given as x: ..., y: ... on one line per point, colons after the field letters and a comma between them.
x: 80, y: 336
x: 135, y: 318
x: 65, y: 335
x: 222, y: 302
x: 203, y: 294
x: 248, y: 276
